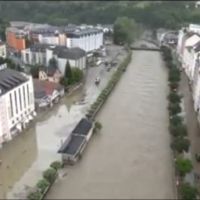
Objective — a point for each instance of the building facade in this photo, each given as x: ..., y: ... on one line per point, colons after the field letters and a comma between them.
x: 3, y: 52
x: 86, y: 39
x: 16, y: 103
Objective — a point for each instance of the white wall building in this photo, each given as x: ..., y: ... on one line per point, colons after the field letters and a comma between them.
x: 3, y: 52
x: 189, y: 55
x: 16, y: 103
x: 42, y: 53
x: 86, y: 39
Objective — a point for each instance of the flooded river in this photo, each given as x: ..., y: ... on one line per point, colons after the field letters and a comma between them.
x: 131, y: 157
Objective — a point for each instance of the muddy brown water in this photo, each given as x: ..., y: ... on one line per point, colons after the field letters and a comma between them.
x: 130, y: 157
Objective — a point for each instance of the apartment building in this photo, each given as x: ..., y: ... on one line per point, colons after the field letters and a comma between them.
x: 16, y: 38
x: 16, y: 102
x: 88, y: 39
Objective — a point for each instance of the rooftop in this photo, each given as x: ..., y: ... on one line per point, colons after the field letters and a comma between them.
x: 73, y: 146
x: 83, y: 127
x: 70, y: 53
x: 10, y: 79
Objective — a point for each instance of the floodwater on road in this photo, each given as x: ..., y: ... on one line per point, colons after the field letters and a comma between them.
x: 23, y: 159
x: 131, y: 156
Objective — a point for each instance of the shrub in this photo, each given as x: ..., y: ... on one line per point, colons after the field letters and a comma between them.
x: 35, y: 195
x: 188, y: 192
x: 176, y: 120
x: 174, y: 97
x: 183, y: 166
x: 174, y: 108
x: 173, y: 85
x: 56, y: 165
x: 42, y: 185
x: 180, y: 144
x: 50, y: 174
x: 179, y: 130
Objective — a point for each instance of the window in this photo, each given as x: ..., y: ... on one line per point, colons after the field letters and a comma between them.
x: 28, y: 95
x: 16, y: 107
x: 11, y: 106
x: 20, y: 99
x: 24, y: 97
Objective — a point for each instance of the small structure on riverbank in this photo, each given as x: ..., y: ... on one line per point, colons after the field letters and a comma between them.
x: 75, y: 144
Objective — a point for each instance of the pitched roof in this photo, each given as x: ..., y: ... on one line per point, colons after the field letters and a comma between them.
x: 73, y: 146
x: 39, y: 47
x: 191, y: 41
x: 9, y: 79
x: 71, y: 53
x: 83, y: 127
x: 42, y: 87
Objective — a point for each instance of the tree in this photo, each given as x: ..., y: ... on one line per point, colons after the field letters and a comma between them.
x: 178, y: 130
x: 35, y: 195
x: 180, y: 144
x: 68, y: 71
x: 188, y: 192
x: 34, y: 71
x: 50, y: 174
x: 183, y: 166
x: 124, y: 30
x: 56, y: 165
x: 176, y: 120
x: 77, y: 74
x: 174, y: 97
x: 42, y: 185
x: 174, y: 108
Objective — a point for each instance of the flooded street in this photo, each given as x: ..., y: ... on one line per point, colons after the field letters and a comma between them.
x: 131, y: 157
x: 25, y: 158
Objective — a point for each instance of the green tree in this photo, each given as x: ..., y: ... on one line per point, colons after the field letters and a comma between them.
x: 68, y: 71
x: 34, y: 71
x: 124, y: 31
x: 56, y: 165
x: 180, y: 144
x: 174, y: 108
x: 176, y: 120
x: 178, y: 131
x: 183, y: 166
x: 42, y: 185
x: 174, y: 97
x: 77, y: 74
x: 188, y: 192
x: 50, y: 174
x: 35, y: 195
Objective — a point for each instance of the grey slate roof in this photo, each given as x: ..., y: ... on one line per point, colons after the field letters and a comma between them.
x: 83, y: 127
x: 71, y: 53
x: 82, y: 32
x: 73, y: 146
x: 10, y: 79
x: 39, y: 47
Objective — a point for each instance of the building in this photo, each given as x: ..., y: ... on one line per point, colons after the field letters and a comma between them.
x: 3, y: 52
x: 43, y: 53
x: 75, y: 56
x: 75, y: 144
x: 47, y: 93
x: 190, y: 54
x: 16, y: 102
x: 88, y: 39
x: 16, y: 38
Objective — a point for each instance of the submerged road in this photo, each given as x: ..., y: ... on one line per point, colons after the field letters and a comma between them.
x: 131, y: 156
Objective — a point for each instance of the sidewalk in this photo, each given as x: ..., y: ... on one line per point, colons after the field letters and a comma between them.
x: 191, y: 122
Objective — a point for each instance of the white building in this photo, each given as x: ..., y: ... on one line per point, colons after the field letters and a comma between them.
x: 3, y: 52
x: 190, y: 55
x: 42, y: 53
x: 16, y: 102
x: 88, y: 39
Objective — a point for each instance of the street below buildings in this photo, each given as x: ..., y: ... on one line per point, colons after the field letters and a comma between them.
x: 131, y: 157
